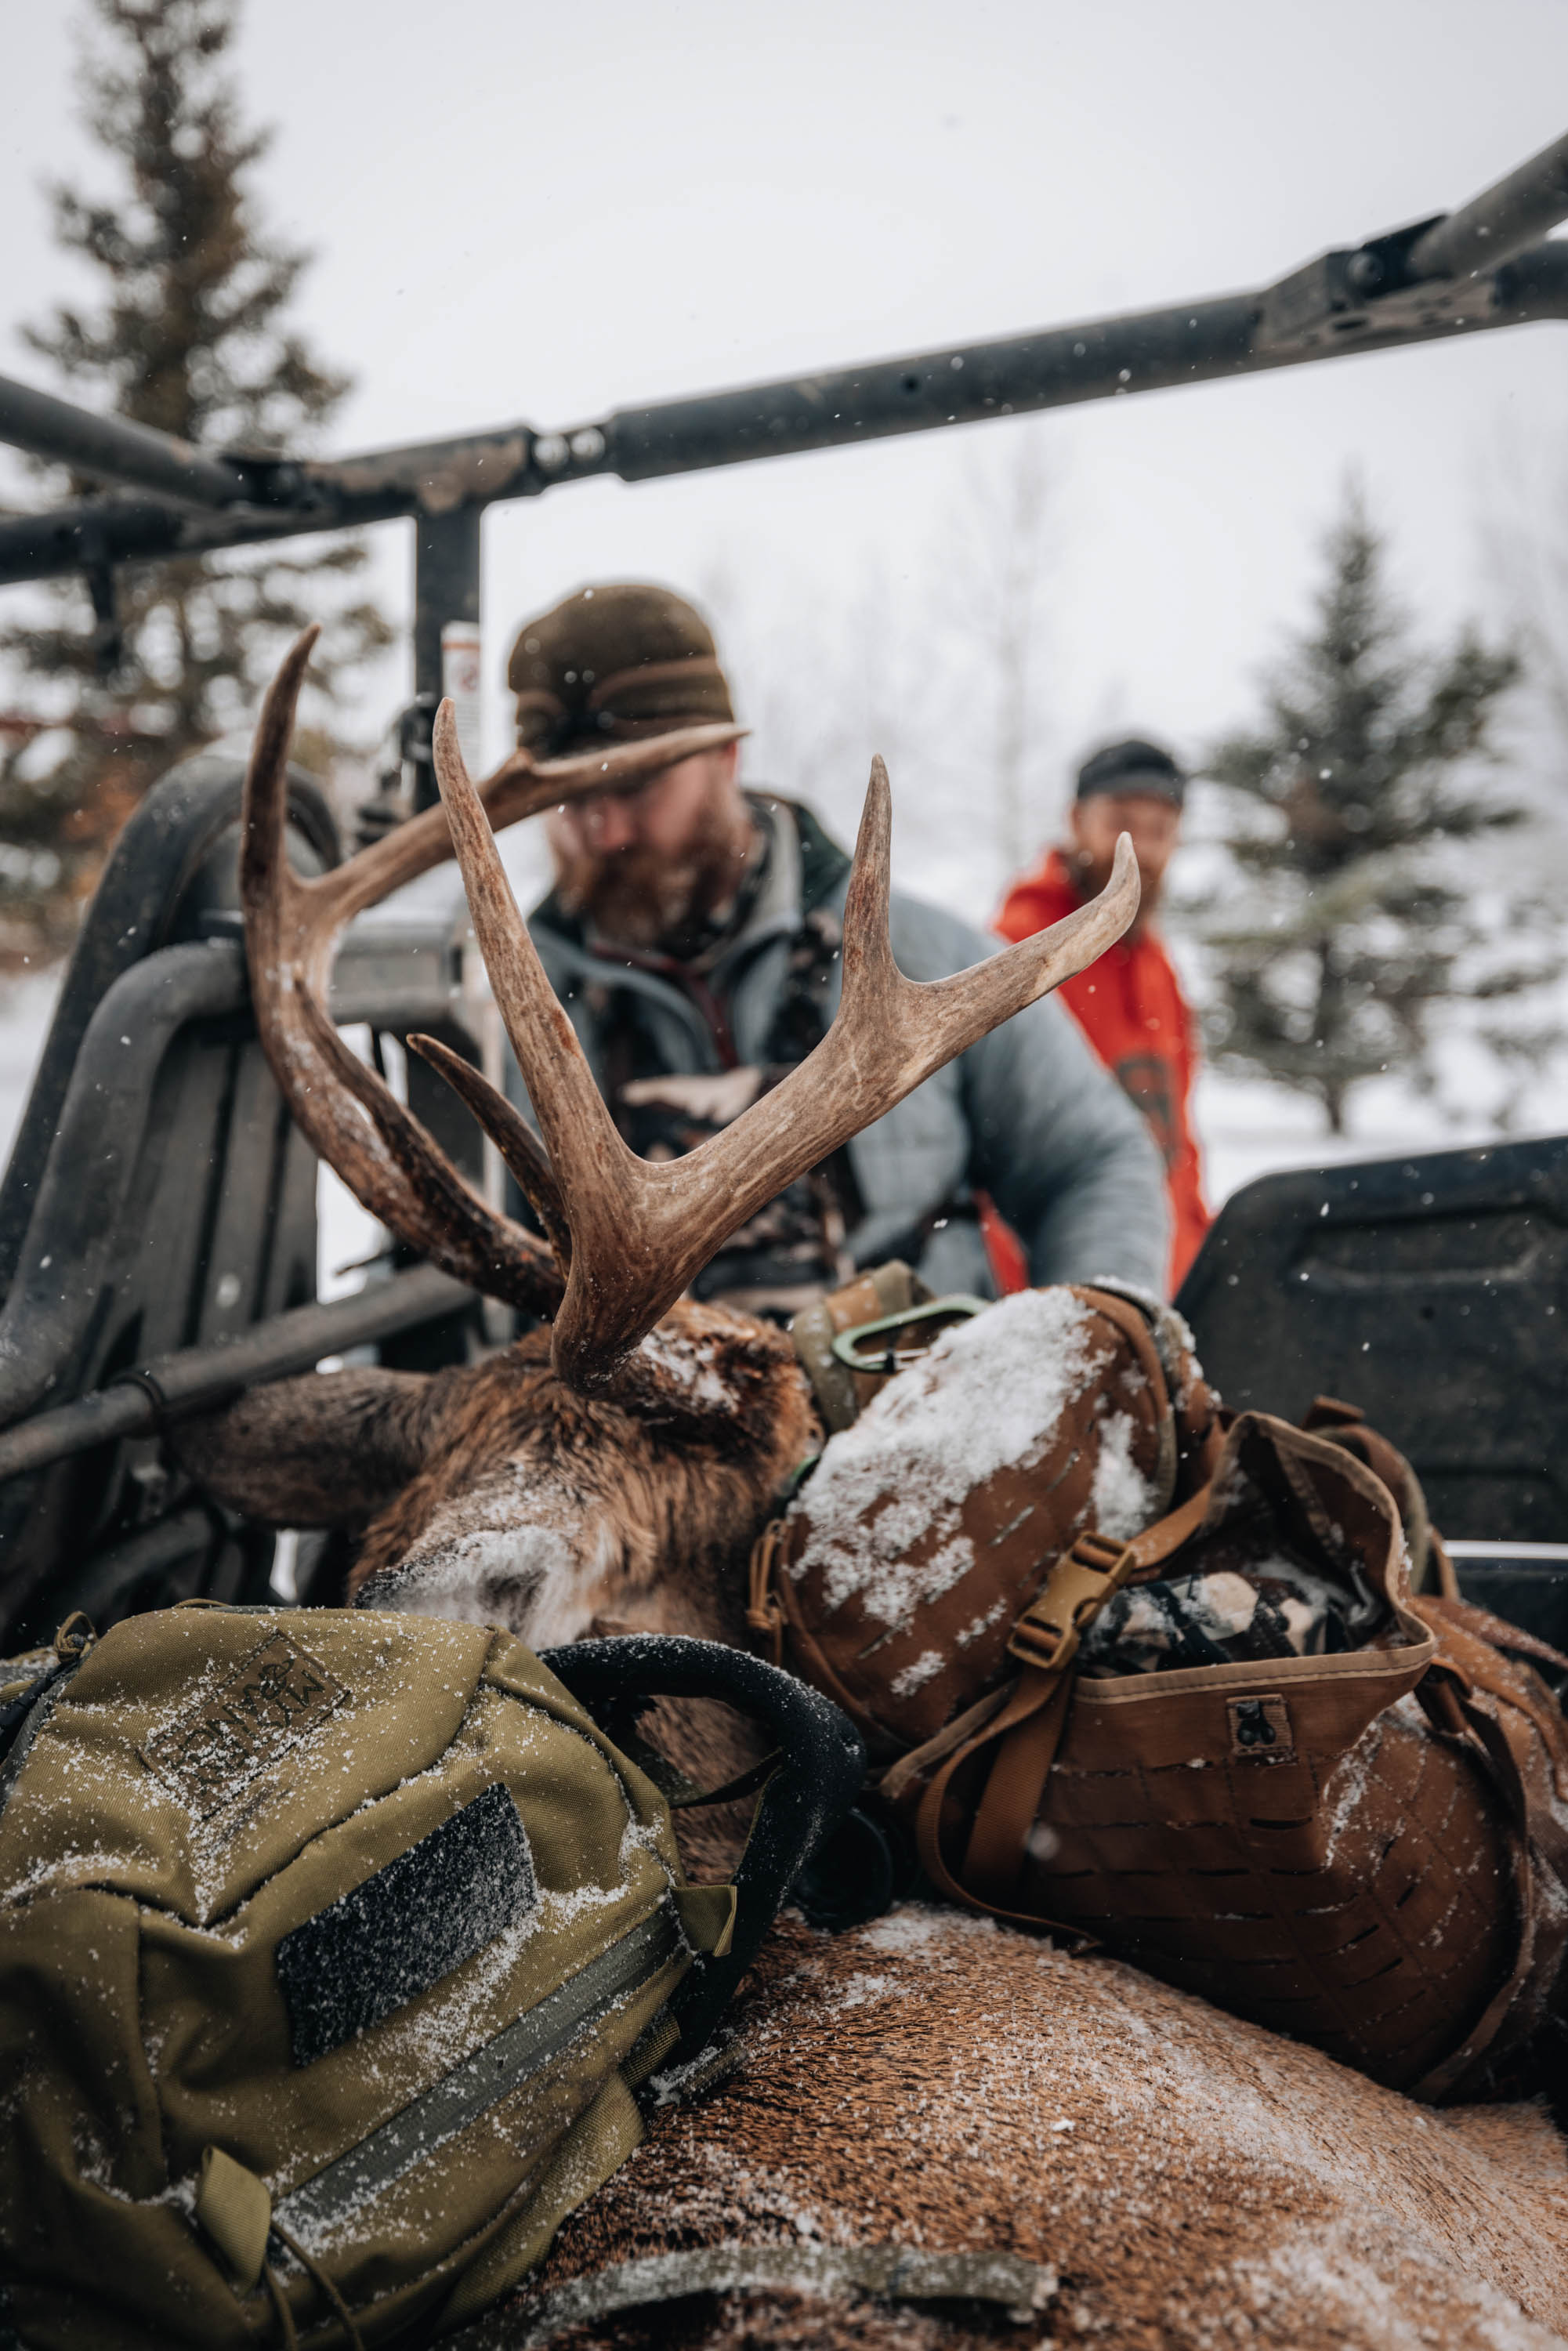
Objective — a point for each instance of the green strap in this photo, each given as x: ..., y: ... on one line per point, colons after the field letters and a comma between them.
x: 891, y: 2273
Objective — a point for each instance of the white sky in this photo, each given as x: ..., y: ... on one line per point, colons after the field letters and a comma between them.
x: 523, y: 211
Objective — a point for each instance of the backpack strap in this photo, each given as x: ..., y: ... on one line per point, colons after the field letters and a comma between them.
x: 1027, y: 1730
x: 1138, y: 1328
x: 1515, y: 1714
x: 892, y: 2272
x: 1474, y: 1692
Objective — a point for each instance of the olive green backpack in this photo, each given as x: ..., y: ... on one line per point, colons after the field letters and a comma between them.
x: 333, y: 1947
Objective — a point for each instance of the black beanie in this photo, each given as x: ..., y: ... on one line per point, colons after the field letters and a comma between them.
x: 1132, y: 766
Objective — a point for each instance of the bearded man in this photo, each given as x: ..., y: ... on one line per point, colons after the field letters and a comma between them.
x: 693, y: 935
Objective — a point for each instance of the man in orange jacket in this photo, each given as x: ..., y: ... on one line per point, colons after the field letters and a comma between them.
x: 1129, y: 1004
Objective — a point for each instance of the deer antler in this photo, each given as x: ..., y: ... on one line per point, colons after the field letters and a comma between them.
x: 345, y: 1111
x: 640, y: 1229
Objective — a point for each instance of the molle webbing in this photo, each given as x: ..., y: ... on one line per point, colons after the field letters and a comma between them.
x: 1282, y: 1835
x: 404, y: 1931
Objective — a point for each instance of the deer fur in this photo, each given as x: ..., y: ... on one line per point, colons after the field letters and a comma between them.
x: 496, y: 1493
x: 1194, y: 2183
x: 1192, y: 2180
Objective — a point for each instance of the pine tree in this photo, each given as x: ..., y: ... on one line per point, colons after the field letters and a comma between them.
x: 1345, y: 808
x: 190, y: 337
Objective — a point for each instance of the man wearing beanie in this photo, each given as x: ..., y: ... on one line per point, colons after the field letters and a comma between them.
x: 693, y: 934
x: 1130, y: 1004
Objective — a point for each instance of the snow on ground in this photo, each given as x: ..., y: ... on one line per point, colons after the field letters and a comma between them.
x: 1247, y: 1129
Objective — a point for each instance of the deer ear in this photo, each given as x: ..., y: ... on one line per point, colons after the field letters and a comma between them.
x: 320, y: 1451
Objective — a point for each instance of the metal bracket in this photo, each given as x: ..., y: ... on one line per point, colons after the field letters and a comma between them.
x: 1367, y: 289
x: 108, y: 636
x: 889, y: 1359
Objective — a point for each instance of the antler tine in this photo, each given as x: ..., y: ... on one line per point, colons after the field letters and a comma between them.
x: 520, y: 787
x: 578, y: 1129
x: 867, y: 952
x: 269, y: 887
x: 345, y: 1111
x: 510, y: 1132
x: 641, y: 1230
x: 935, y: 1020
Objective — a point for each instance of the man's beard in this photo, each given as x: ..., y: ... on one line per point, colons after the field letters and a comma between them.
x: 638, y: 898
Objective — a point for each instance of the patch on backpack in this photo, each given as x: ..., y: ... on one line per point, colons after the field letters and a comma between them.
x: 1260, y: 1730
x: 399, y: 1932
x: 266, y: 1705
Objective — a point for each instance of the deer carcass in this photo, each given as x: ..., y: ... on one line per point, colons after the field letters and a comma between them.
x: 928, y: 2084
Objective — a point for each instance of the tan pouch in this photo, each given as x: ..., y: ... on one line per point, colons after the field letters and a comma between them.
x: 893, y: 1579
x: 1357, y: 1849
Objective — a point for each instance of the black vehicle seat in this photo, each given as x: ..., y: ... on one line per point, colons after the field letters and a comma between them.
x: 158, y: 1195
x: 1433, y: 1292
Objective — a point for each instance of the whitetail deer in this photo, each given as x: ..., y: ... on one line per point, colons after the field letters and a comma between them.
x: 927, y: 2081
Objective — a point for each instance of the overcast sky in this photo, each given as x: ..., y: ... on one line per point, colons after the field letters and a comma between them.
x: 535, y: 212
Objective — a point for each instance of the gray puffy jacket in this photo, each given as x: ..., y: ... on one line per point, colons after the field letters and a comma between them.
x: 1028, y: 1114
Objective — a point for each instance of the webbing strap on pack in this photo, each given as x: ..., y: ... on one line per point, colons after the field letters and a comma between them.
x: 1027, y: 1729
x: 764, y: 1610
x: 1451, y: 1707
x: 34, y: 1704
x: 890, y: 2273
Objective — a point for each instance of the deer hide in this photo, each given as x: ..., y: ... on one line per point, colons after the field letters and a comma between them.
x: 934, y: 2081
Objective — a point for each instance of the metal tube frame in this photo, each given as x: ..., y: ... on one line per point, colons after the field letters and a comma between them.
x: 201, y: 1379
x: 1318, y: 313
x: 1461, y: 273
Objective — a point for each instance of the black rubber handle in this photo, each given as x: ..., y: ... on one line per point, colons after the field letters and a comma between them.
x: 820, y: 1774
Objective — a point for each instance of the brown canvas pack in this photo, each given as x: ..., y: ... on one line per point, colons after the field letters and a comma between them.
x: 893, y: 1582
x: 1364, y: 1850
x: 332, y: 1947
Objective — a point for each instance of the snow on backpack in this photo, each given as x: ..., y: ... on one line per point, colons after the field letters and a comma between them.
x: 334, y: 1948
x: 1224, y: 1739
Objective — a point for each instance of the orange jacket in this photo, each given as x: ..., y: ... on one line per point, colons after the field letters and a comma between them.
x: 1130, y: 1007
